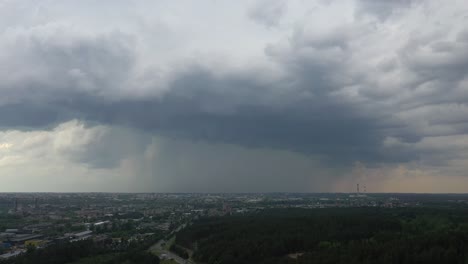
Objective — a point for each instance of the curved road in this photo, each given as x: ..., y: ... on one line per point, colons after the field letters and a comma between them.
x: 159, y: 248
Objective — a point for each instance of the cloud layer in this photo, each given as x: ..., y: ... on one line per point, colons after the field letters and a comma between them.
x: 383, y: 83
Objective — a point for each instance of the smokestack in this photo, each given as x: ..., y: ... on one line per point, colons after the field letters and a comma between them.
x: 357, y: 188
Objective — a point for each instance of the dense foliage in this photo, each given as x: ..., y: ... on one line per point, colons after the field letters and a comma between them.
x: 352, y: 235
x: 60, y: 253
x: 134, y: 253
x: 180, y: 251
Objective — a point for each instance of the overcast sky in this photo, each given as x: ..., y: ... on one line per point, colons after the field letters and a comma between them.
x: 234, y: 96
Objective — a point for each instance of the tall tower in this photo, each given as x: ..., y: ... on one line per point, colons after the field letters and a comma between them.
x: 357, y: 188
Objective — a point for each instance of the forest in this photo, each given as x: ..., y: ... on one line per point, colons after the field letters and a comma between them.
x: 87, y: 252
x: 334, y: 235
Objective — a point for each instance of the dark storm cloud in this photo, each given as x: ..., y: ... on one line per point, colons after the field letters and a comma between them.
x: 333, y: 101
x: 200, y: 107
x: 109, y: 147
x: 198, y: 104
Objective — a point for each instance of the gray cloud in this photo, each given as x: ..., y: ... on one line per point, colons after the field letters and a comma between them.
x: 53, y: 56
x: 381, y: 8
x: 195, y: 108
x: 354, y: 89
x: 268, y: 13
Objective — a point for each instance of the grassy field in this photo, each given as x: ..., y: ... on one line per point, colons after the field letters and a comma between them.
x: 169, y: 243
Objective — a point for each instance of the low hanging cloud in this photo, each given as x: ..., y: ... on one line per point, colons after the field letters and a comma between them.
x: 381, y: 83
x: 75, y: 156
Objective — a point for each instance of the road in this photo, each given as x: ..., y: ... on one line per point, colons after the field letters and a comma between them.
x: 159, y: 248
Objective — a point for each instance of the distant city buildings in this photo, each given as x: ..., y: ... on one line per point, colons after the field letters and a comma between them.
x: 40, y: 220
